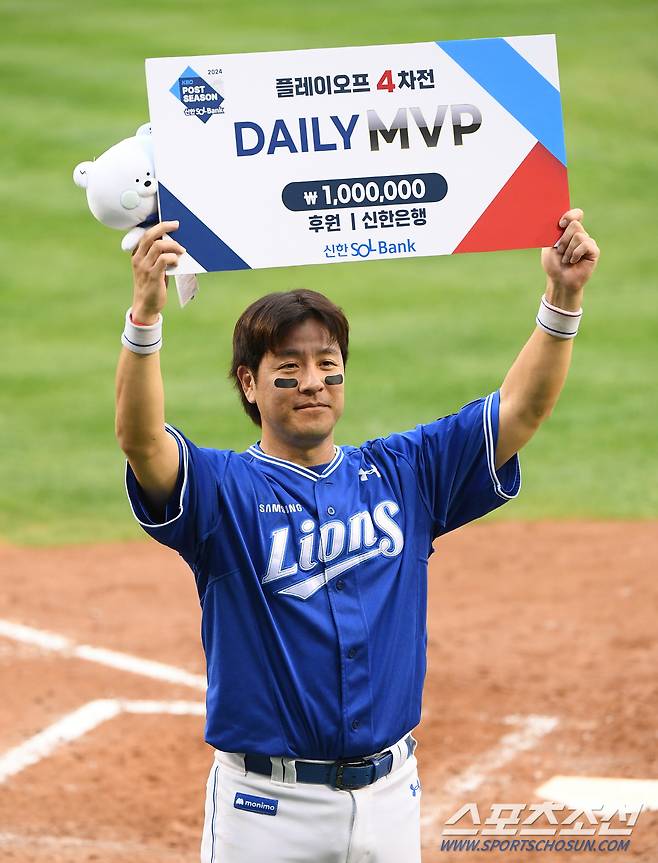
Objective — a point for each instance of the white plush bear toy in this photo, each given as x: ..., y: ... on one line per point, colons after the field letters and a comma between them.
x: 122, y: 193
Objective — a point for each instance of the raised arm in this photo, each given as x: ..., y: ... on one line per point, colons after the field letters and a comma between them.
x: 533, y: 384
x: 140, y: 413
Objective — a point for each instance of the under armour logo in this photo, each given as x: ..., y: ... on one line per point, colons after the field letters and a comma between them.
x: 363, y: 474
x: 415, y: 788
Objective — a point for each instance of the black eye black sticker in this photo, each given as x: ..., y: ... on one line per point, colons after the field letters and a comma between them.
x: 332, y: 380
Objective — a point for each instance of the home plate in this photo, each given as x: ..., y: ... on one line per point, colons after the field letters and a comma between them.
x: 599, y: 791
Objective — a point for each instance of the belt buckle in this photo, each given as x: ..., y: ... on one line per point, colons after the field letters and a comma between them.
x: 340, y: 769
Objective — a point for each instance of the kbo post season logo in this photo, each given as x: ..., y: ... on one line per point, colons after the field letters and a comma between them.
x: 199, y: 98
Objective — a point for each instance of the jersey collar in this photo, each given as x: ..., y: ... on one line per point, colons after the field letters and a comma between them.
x: 258, y: 453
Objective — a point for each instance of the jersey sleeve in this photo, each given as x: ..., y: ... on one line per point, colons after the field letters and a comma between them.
x: 454, y: 462
x: 194, y: 506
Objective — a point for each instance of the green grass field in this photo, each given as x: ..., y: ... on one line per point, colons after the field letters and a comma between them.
x: 427, y: 334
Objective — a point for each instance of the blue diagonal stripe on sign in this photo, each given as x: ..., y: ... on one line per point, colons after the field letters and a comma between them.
x: 202, y: 243
x: 516, y: 84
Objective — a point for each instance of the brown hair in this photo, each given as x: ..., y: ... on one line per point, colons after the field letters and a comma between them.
x: 263, y: 326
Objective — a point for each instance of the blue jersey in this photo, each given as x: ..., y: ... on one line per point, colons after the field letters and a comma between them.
x: 313, y: 584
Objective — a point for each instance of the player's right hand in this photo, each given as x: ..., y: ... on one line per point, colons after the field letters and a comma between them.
x: 153, y: 254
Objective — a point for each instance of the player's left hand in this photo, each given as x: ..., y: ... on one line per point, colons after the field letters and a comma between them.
x: 572, y: 262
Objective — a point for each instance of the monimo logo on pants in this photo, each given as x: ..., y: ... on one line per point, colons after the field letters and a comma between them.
x: 260, y: 805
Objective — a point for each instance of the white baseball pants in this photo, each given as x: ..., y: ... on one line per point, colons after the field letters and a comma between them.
x: 251, y: 818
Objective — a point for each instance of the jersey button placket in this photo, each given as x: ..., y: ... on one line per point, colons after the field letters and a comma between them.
x: 349, y: 619
x: 333, y: 588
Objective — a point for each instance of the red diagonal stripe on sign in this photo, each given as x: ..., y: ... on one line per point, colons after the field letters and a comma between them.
x: 525, y: 213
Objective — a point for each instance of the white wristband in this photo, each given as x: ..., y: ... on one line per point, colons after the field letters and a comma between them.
x: 142, y: 339
x: 558, y: 322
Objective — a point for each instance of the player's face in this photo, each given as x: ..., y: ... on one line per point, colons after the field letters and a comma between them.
x: 303, y: 414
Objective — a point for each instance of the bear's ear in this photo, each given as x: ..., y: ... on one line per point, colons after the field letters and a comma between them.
x: 144, y: 129
x: 81, y: 174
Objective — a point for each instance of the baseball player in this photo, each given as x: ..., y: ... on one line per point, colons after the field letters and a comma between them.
x: 310, y: 559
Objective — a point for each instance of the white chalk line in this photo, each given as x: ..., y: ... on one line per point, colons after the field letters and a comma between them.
x: 111, y: 658
x: 80, y: 722
x: 89, y: 716
x: 530, y: 730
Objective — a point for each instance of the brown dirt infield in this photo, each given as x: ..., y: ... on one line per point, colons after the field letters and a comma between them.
x: 548, y: 619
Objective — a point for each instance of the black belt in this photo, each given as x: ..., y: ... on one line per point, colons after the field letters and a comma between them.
x: 347, y: 773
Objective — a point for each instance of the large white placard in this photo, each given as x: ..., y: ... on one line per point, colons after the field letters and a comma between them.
x: 344, y: 154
